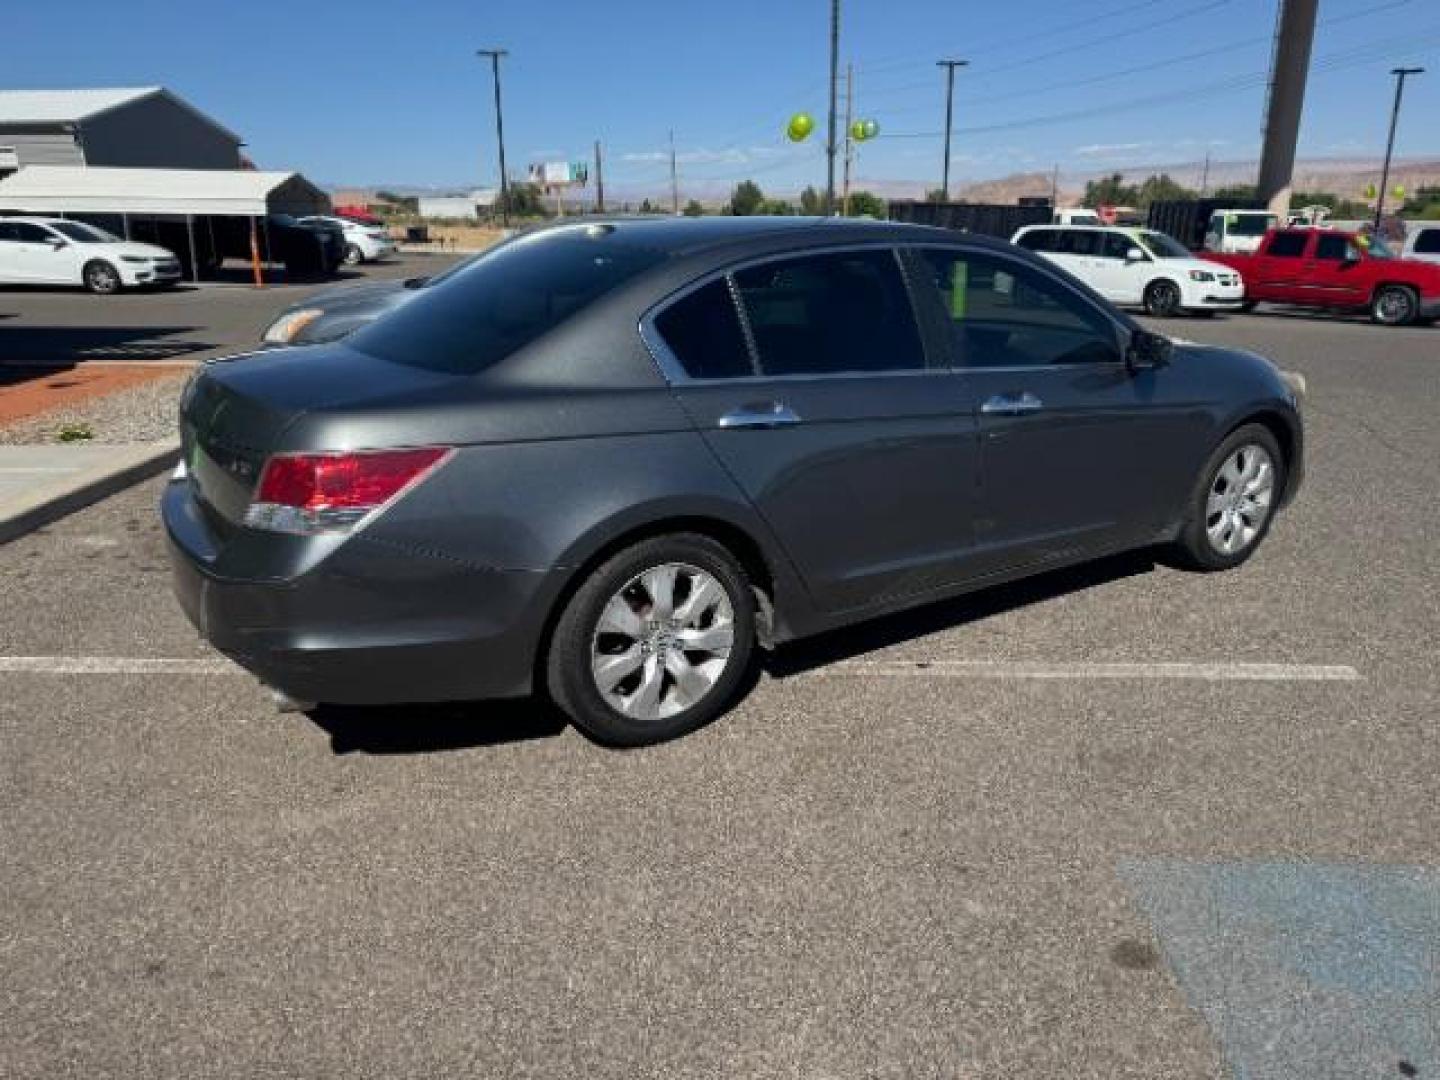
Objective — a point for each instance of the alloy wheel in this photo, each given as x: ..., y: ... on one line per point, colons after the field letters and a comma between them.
x: 663, y: 641
x: 101, y: 278
x: 1242, y: 494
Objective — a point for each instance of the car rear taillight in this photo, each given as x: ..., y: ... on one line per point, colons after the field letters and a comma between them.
x: 306, y: 494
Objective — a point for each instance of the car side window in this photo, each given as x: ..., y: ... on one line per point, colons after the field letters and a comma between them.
x: 1114, y: 246
x: 1077, y: 242
x: 1428, y: 242
x: 703, y: 330
x: 1038, y: 240
x: 1287, y: 245
x: 1006, y: 314
x: 831, y: 314
x: 8, y: 234
x: 1332, y: 248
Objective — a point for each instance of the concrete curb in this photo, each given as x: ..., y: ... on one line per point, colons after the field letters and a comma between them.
x: 55, y: 500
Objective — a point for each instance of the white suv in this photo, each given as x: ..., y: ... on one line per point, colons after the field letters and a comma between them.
x: 1422, y: 242
x: 1137, y: 267
x: 363, y: 243
x: 52, y: 251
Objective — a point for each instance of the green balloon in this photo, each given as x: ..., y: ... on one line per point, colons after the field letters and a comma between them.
x: 857, y: 130
x: 871, y: 129
x: 800, y: 127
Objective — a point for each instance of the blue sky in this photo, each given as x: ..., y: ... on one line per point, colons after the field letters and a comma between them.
x: 366, y: 92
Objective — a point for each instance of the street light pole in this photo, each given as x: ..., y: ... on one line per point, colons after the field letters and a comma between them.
x: 949, y: 66
x: 495, y: 55
x: 1400, y: 73
x: 834, y: 78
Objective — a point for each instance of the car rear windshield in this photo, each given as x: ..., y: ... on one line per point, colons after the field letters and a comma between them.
x: 504, y: 300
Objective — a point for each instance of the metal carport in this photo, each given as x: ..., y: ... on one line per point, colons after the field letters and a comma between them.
x: 62, y: 190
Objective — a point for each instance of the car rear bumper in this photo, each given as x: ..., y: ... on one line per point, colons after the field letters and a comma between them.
x: 369, y: 625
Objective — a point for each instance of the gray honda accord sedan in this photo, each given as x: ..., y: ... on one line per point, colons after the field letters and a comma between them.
x: 607, y: 461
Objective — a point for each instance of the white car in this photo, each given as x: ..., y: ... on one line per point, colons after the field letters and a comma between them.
x: 1422, y: 242
x: 53, y: 251
x: 363, y: 243
x: 1076, y: 216
x: 1138, y: 267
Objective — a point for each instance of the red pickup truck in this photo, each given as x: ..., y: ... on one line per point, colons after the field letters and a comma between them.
x: 1327, y: 268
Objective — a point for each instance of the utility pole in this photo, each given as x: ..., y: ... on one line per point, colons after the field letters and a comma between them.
x: 495, y: 55
x: 1289, y: 68
x: 1400, y: 74
x: 849, y: 142
x: 1205, y: 176
x: 1054, y: 186
x: 949, y: 66
x: 674, y: 180
x: 599, y: 180
x: 834, y: 76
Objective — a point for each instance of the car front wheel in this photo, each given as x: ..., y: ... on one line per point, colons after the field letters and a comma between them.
x: 655, y: 642
x: 1162, y: 298
x: 100, y: 277
x: 1234, y: 501
x: 353, y: 255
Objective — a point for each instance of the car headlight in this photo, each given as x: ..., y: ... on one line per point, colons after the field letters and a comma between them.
x: 288, y: 326
x: 1201, y: 275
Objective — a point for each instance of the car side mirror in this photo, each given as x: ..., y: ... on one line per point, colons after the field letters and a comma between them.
x: 1148, y: 350
x: 1134, y: 254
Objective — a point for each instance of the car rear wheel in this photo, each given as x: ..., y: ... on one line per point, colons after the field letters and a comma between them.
x: 100, y: 277
x: 654, y: 643
x: 1162, y: 298
x: 1234, y: 500
x: 1394, y: 305
x: 353, y: 255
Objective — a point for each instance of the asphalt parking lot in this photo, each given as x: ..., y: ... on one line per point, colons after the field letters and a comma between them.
x: 1117, y: 822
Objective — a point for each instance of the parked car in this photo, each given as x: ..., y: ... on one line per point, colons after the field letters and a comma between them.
x: 1423, y: 242
x: 608, y: 461
x: 331, y: 315
x: 1137, y: 267
x: 53, y: 251
x: 1327, y: 268
x: 363, y: 243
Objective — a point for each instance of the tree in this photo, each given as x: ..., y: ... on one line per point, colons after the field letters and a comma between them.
x: 646, y: 208
x: 867, y: 204
x: 775, y: 208
x: 522, y: 200
x: 746, y: 199
x: 1160, y: 189
x: 1110, y: 191
x: 810, y: 202
x: 694, y: 209
x: 1234, y: 191
x: 935, y: 195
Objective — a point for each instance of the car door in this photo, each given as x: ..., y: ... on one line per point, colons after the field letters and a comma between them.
x: 1280, y: 268
x: 1333, y: 272
x: 36, y: 254
x: 1119, y: 279
x: 1077, y: 453
x: 807, y: 377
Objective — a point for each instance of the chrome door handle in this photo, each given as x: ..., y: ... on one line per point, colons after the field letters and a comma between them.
x: 777, y: 414
x: 1012, y: 404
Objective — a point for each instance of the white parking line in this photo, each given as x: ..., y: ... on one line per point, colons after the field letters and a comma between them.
x: 1212, y: 672
x: 975, y: 669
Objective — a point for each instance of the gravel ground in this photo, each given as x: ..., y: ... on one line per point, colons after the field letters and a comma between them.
x: 140, y: 414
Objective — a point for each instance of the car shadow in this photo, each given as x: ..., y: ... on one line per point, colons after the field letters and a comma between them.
x: 40, y: 346
x: 890, y: 630
x: 435, y: 728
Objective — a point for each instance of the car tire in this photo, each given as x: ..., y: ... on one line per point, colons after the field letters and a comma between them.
x: 353, y: 255
x: 622, y: 675
x: 1248, y: 306
x: 1231, y: 508
x: 1162, y: 298
x: 101, y: 278
x: 1394, y: 305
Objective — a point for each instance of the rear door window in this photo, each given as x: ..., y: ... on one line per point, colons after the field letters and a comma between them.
x: 1077, y: 242
x: 1287, y: 245
x: 1038, y: 240
x: 1428, y: 242
x: 504, y: 300
x: 703, y: 331
x: 831, y: 314
x: 1332, y: 248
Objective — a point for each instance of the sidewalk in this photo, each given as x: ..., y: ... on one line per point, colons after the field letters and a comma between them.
x: 41, y: 483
